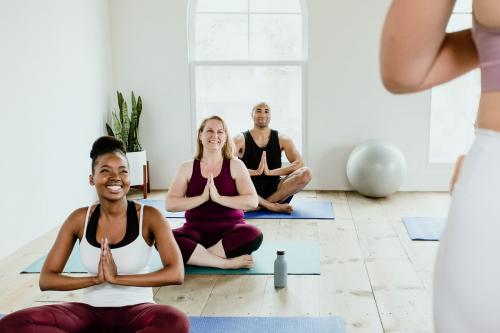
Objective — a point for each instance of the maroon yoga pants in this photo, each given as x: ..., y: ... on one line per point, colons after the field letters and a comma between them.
x: 80, y: 318
x: 237, y: 238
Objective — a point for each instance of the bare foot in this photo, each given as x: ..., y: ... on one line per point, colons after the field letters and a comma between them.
x: 280, y: 208
x: 253, y: 209
x: 244, y: 261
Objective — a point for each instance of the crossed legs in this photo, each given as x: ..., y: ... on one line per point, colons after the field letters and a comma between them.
x: 231, y: 248
x: 81, y: 318
x: 288, y: 186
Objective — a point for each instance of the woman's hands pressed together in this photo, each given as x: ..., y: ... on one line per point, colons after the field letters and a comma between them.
x: 107, y: 267
x: 210, y: 192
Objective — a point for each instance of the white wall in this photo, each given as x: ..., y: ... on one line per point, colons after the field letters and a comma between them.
x: 54, y: 84
x: 346, y: 103
x: 149, y: 48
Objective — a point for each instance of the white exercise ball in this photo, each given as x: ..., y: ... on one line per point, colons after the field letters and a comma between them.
x: 376, y: 168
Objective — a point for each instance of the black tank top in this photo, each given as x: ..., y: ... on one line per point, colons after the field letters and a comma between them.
x: 131, y: 233
x: 253, y: 154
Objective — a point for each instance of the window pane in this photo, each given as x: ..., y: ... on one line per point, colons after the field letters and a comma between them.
x: 221, y: 37
x: 276, y: 37
x: 453, y: 109
x: 459, y: 22
x: 463, y: 6
x: 232, y: 91
x: 454, y: 106
x: 275, y: 6
x: 222, y: 6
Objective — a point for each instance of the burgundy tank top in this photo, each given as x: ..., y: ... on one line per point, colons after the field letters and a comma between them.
x: 211, y: 211
x: 487, y: 42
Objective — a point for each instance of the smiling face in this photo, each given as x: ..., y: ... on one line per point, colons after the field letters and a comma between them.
x: 110, y: 176
x: 213, y: 136
x: 261, y: 115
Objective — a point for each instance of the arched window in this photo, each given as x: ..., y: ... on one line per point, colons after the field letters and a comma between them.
x: 454, y: 105
x: 242, y: 52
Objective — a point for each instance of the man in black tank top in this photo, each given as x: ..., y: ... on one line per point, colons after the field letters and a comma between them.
x: 260, y: 149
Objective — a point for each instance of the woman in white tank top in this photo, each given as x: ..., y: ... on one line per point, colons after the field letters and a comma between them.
x: 418, y: 54
x: 115, y: 237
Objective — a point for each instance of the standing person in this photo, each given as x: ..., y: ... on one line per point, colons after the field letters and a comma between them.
x: 115, y: 238
x: 260, y: 149
x: 418, y: 54
x: 213, y: 189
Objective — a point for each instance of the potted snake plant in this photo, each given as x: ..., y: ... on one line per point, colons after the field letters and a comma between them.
x: 126, y: 128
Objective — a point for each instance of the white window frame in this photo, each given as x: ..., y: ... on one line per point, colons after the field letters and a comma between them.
x: 193, y: 63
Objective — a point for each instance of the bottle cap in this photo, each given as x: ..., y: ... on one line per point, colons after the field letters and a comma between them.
x: 280, y: 252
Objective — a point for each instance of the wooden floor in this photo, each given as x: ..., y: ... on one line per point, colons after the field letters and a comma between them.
x: 372, y: 274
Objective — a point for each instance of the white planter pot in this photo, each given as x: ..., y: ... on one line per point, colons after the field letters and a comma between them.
x: 136, y: 161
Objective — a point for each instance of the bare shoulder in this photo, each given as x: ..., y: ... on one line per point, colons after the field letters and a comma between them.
x: 236, y: 163
x: 75, y: 222
x: 79, y: 213
x: 151, y: 212
x: 237, y: 166
x: 186, y: 167
x: 154, y: 224
x: 187, y: 164
x: 239, y: 138
x: 152, y: 216
x: 285, y: 140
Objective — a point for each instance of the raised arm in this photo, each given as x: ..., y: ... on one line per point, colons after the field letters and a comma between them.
x: 51, y: 277
x: 160, y: 233
x: 293, y: 156
x: 247, y: 196
x: 176, y: 200
x: 416, y: 52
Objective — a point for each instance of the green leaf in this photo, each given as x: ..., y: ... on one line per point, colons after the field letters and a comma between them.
x: 125, y: 123
x: 139, y: 111
x: 118, y: 127
x: 120, y: 104
x: 109, y: 130
x: 134, y: 103
x: 125, y: 126
x: 134, y: 124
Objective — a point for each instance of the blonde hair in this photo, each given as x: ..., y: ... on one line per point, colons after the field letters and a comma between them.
x: 227, y: 149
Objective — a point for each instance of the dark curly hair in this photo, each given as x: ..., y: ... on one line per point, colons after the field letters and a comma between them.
x: 105, y: 145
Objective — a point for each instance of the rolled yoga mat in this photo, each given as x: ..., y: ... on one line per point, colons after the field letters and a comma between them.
x: 302, y: 259
x: 302, y: 209
x: 424, y: 228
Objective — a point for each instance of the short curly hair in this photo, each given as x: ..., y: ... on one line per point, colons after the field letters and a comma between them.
x: 105, y: 145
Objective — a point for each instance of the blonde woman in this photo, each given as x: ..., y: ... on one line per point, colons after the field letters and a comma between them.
x: 214, y: 189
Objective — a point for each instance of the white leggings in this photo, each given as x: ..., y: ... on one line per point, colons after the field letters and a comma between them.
x: 467, y: 273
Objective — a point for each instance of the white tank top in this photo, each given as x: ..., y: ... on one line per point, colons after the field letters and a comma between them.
x: 133, y: 258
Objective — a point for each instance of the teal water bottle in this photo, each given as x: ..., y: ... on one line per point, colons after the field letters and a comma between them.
x: 280, y: 270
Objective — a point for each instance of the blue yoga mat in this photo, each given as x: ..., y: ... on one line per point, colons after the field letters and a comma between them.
x: 267, y: 324
x: 424, y: 228
x: 302, y: 209
x: 302, y: 259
